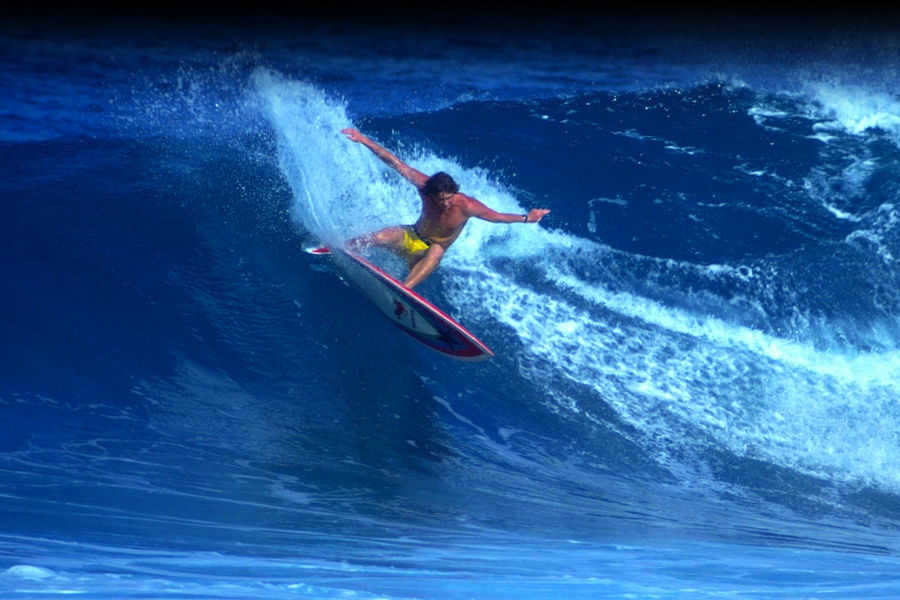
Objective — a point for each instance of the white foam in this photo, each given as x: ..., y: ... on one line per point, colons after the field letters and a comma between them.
x: 856, y: 110
x: 340, y: 190
x: 29, y: 572
x: 685, y: 379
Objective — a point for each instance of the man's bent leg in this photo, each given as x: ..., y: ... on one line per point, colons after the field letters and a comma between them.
x: 424, y: 266
x: 391, y: 237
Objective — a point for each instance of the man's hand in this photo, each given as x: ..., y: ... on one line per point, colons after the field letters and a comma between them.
x: 354, y: 135
x: 536, y: 214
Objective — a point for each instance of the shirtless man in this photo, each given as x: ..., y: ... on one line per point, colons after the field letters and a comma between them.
x: 445, y: 212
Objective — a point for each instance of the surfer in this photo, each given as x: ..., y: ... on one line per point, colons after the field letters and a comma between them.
x: 445, y: 212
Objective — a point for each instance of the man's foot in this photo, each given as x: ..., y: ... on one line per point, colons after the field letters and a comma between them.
x: 318, y: 250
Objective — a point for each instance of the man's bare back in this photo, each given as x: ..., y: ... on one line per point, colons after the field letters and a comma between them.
x: 445, y: 212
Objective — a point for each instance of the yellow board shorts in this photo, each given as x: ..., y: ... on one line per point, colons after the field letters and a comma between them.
x: 412, y: 243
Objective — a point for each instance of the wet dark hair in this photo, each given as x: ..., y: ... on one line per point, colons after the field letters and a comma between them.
x: 439, y: 182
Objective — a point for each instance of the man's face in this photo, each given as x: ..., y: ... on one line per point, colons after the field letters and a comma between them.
x: 445, y: 199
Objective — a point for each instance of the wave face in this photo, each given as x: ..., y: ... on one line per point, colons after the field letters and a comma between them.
x: 698, y: 351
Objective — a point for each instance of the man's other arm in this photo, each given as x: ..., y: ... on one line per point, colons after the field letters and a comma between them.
x: 417, y: 178
x: 477, y: 209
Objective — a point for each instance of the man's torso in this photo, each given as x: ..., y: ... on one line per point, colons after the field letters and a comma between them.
x: 440, y: 225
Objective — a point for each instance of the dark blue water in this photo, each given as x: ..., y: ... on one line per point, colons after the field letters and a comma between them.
x: 695, y: 390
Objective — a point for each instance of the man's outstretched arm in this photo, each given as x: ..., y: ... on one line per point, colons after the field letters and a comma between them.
x: 417, y: 178
x: 480, y: 211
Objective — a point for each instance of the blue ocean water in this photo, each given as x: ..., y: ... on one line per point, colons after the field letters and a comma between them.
x: 695, y: 392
